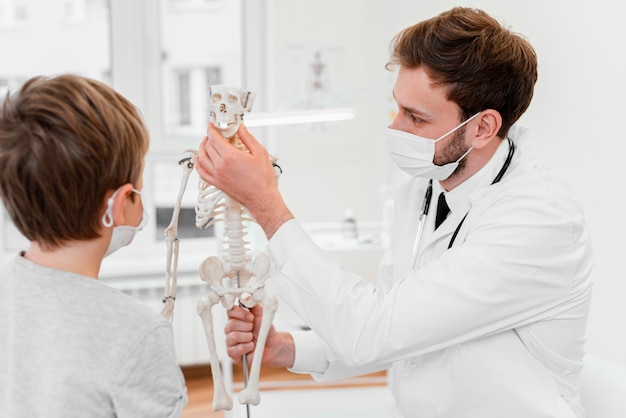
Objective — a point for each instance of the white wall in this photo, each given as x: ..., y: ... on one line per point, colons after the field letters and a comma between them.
x: 577, y: 113
x: 335, y: 166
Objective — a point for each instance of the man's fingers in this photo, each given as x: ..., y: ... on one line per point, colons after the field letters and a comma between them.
x: 250, y: 141
x: 240, y: 343
x: 237, y: 312
x: 239, y: 335
x: 202, y: 154
x: 239, y: 320
x: 236, y: 352
x: 202, y: 161
x: 256, y: 310
x: 234, y: 338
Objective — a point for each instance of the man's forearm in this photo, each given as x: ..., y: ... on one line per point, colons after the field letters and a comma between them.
x: 282, y: 352
x: 271, y: 213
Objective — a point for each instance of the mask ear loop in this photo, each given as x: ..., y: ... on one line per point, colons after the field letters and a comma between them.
x: 465, y: 155
x: 465, y: 122
x: 107, y: 218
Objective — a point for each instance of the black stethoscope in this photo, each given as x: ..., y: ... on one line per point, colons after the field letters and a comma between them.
x: 429, y: 195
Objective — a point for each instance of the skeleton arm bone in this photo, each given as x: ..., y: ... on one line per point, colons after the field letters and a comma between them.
x: 171, y: 242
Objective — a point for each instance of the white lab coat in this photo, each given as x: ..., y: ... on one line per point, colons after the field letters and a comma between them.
x: 493, y: 327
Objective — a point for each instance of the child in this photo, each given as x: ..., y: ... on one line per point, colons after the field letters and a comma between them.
x: 71, y: 163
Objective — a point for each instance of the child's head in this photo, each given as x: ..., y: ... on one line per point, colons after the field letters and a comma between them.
x: 64, y: 143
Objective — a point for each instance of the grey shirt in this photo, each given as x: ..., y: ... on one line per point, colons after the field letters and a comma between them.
x: 71, y: 346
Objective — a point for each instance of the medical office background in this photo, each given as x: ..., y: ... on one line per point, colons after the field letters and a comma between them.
x: 324, y: 58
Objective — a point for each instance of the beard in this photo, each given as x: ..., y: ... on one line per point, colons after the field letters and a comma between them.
x: 453, y: 151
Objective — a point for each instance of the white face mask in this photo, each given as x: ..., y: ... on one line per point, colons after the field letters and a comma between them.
x: 122, y: 234
x: 415, y: 155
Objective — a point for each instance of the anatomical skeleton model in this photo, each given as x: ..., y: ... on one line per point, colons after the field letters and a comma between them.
x: 237, y: 277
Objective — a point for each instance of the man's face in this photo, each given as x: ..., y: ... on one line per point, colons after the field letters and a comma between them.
x: 424, y: 110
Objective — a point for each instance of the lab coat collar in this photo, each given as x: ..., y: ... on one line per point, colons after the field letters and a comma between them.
x: 458, y: 199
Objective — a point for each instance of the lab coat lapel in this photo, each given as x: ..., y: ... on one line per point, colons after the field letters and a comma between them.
x: 440, y: 238
x: 406, y: 225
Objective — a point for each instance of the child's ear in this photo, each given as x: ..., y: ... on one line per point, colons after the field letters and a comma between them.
x: 118, y: 202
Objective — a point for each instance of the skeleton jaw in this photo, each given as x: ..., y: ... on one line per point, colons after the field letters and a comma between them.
x: 227, y: 129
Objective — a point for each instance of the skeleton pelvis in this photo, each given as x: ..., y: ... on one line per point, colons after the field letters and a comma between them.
x: 246, y: 284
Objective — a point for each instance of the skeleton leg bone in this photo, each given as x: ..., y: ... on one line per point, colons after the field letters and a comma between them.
x: 250, y: 395
x: 221, y: 398
x: 261, y: 269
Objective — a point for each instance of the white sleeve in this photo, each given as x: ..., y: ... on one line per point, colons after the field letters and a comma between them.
x: 511, y: 270
x: 312, y: 354
x: 312, y: 357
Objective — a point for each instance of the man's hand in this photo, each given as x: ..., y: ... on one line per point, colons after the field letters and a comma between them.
x: 242, y: 330
x: 248, y: 178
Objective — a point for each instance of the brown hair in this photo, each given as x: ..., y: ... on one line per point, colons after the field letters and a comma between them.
x: 65, y: 142
x: 484, y: 65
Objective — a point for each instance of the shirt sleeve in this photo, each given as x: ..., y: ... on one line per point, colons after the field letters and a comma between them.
x: 316, y: 358
x: 149, y: 382
x: 516, y: 266
x: 312, y: 354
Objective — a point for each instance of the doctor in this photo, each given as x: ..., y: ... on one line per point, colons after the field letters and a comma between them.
x: 480, y: 310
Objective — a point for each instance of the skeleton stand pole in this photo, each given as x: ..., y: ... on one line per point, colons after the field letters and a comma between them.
x: 244, y: 357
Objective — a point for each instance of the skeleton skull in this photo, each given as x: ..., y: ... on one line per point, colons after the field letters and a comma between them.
x: 227, y: 106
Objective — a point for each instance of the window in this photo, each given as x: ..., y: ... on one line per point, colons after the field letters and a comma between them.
x: 162, y: 55
x: 201, y: 44
x: 184, y: 101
